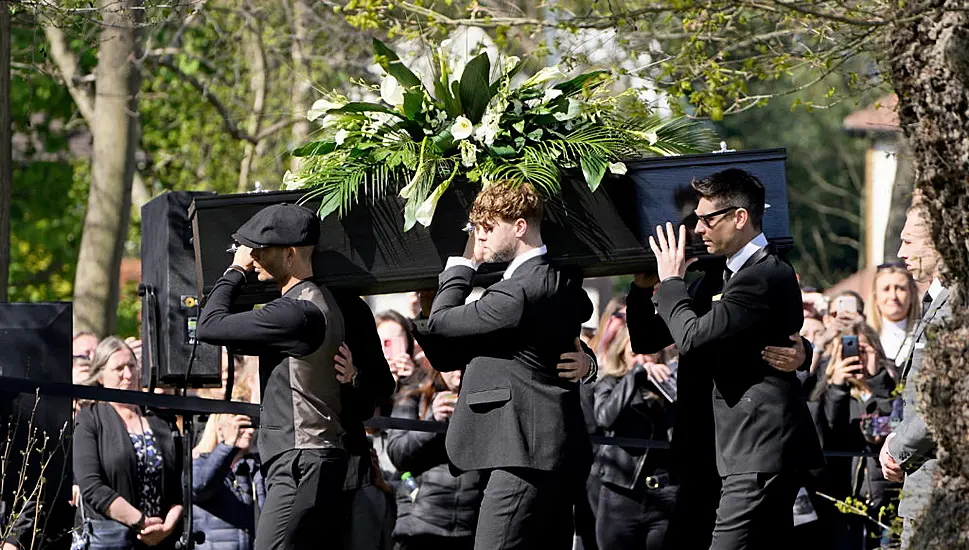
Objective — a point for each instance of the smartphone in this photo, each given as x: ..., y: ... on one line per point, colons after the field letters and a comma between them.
x: 394, y: 347
x: 848, y: 303
x: 849, y: 346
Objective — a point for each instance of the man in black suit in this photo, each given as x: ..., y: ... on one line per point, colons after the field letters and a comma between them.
x: 518, y: 419
x: 763, y: 431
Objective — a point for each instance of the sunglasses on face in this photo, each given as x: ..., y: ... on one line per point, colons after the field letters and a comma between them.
x: 708, y: 219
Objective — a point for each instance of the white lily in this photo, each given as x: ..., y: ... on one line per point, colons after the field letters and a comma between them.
x: 292, y: 181
x: 425, y: 212
x: 340, y: 137
x: 551, y: 94
x: 617, y: 168
x: 320, y: 107
x: 545, y: 75
x: 391, y: 91
x: 462, y: 128
x: 575, y: 109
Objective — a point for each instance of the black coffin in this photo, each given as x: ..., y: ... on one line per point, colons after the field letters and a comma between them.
x: 604, y: 232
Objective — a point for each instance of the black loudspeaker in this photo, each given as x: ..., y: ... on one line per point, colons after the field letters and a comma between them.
x: 170, y: 305
x: 35, y: 343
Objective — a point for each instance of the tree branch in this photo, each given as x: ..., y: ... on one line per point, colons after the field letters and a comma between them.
x: 69, y: 67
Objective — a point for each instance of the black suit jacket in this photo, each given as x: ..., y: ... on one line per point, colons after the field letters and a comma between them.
x: 513, y: 409
x: 692, y: 446
x: 761, y: 419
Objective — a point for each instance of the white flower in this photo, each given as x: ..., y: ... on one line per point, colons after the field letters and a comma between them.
x: 545, y: 75
x: 425, y: 212
x: 551, y: 94
x: 292, y: 181
x: 331, y: 120
x: 575, y: 109
x: 391, y: 91
x: 511, y: 63
x: 320, y: 107
x: 618, y: 168
x: 532, y: 103
x: 486, y: 133
x: 340, y: 137
x: 462, y: 128
x: 652, y: 138
x: 468, y: 153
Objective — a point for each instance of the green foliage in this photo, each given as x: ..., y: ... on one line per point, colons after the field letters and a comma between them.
x: 486, y: 130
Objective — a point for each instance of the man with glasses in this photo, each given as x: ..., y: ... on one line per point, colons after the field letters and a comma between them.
x: 732, y: 329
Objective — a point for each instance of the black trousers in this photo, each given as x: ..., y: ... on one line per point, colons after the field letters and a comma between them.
x: 633, y: 520
x: 756, y: 512
x: 430, y: 542
x: 525, y: 509
x: 304, y: 505
x: 695, y: 510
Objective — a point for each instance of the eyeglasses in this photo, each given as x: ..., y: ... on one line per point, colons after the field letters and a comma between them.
x: 705, y: 219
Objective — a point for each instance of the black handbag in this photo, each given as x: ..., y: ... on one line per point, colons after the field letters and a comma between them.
x: 100, y: 534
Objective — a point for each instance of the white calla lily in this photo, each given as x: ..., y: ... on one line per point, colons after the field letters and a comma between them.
x: 551, y: 94
x: 320, y: 107
x: 340, y: 137
x: 462, y: 128
x: 425, y: 212
x: 545, y: 75
x: 391, y: 91
x: 292, y: 181
x: 618, y: 168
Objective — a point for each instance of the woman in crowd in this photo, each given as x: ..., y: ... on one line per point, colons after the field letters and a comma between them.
x: 895, y: 308
x: 125, y: 462
x: 636, y: 498
x: 858, y: 406
x: 443, y: 512
x: 227, y: 486
x: 400, y: 349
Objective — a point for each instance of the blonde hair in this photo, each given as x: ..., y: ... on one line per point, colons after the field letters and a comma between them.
x: 874, y: 313
x: 106, y: 348
x: 615, y: 363
x: 508, y: 201
x: 210, y: 435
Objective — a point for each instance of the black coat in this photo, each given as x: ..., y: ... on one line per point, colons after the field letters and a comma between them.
x: 761, y: 419
x: 105, y: 464
x: 446, y: 505
x: 860, y: 477
x: 514, y: 410
x: 626, y: 407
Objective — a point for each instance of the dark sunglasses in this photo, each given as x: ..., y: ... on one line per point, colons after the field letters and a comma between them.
x: 706, y: 218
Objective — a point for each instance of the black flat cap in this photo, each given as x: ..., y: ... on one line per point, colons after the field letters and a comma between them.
x: 280, y: 225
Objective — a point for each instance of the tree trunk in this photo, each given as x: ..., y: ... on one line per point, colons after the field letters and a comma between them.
x: 115, y: 133
x: 930, y: 75
x: 6, y: 159
x: 256, y: 57
x: 302, y: 94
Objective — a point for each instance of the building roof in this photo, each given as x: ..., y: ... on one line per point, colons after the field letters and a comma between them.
x: 881, y: 117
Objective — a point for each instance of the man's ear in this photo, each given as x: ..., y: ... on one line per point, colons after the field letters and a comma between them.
x: 521, y: 227
x: 741, y: 218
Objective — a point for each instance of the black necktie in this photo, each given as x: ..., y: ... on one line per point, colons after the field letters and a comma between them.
x: 926, y: 303
x: 727, y: 273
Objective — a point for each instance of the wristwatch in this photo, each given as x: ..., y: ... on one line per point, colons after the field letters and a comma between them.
x: 138, y: 525
x: 355, y: 380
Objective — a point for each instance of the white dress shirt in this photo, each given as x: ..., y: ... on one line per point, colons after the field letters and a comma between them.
x: 892, y: 336
x: 738, y: 260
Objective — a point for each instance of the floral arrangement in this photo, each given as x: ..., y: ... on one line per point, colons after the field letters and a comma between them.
x: 478, y: 126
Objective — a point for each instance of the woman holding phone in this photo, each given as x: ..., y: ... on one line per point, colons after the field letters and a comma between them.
x: 399, y: 348
x: 857, y: 399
